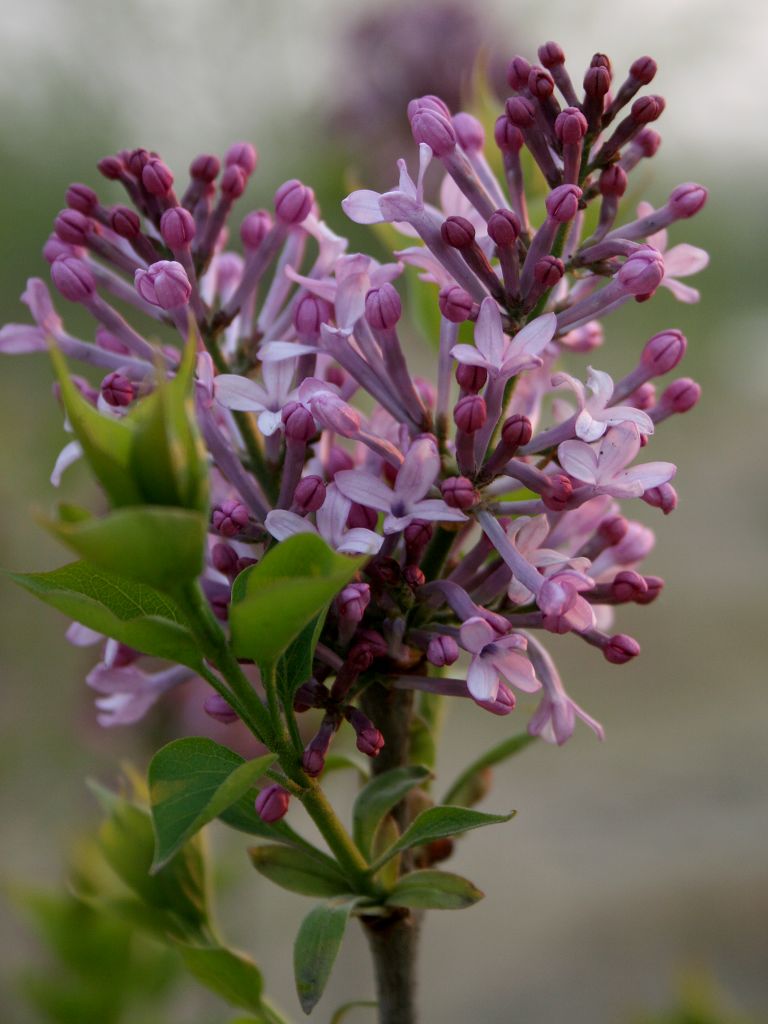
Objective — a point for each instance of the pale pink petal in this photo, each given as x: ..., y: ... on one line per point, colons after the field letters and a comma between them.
x: 580, y: 615
x: 277, y: 351
x: 536, y: 335
x: 482, y: 680
x: 18, y: 339
x: 269, y: 422
x: 325, y: 288
x: 332, y: 515
x: 240, y: 393
x: 475, y: 634
x: 418, y: 471
x: 565, y: 380
x: 579, y: 460
x: 68, y: 455
x: 278, y: 378
x: 363, y: 207
x: 593, y: 724
x: 683, y: 260
x: 436, y: 510
x: 81, y: 636
x: 627, y: 414
x: 618, y: 448
x: 38, y: 299
x: 649, y: 474
x: 282, y: 524
x: 359, y: 541
x: 468, y: 355
x: 600, y: 384
x: 587, y: 427
x: 489, y: 336
x: 530, y: 533
x: 364, y: 488
x: 425, y: 158
x: 682, y: 292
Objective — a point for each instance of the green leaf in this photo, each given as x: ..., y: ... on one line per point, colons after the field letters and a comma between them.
x: 434, y: 890
x: 342, y: 1011
x: 243, y: 817
x: 438, y: 823
x: 106, y: 442
x: 231, y: 975
x: 344, y: 762
x: 151, y: 544
x: 272, y: 602
x: 378, y: 797
x: 299, y: 871
x: 131, y: 612
x: 316, y: 948
x: 295, y: 666
x: 386, y: 835
x: 191, y: 781
x: 470, y: 787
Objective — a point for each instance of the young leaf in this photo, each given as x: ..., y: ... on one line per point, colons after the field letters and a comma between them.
x: 299, y: 871
x: 191, y: 781
x: 229, y: 974
x: 152, y: 544
x: 378, y: 797
x: 464, y: 791
x: 272, y: 602
x: 434, y: 890
x: 386, y: 835
x: 295, y: 666
x: 131, y: 612
x: 243, y: 817
x: 316, y: 948
x: 342, y: 1011
x: 438, y: 823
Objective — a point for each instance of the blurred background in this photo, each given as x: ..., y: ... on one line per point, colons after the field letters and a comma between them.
x: 633, y: 884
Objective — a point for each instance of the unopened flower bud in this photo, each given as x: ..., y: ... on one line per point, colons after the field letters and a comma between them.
x: 517, y: 73
x: 216, y: 707
x: 361, y: 516
x: 164, y: 284
x: 687, y: 199
x: 244, y: 155
x: 254, y: 228
x: 417, y: 535
x: 563, y: 203
x: 233, y: 182
x: 620, y: 649
x: 73, y: 227
x: 353, y: 600
x: 125, y: 222
x: 516, y: 431
x: 73, y: 278
x: 585, y: 338
x: 383, y: 308
x: 643, y: 70
x: 459, y: 492
x: 457, y: 232
x: 647, y: 109
x: 309, y: 494
x: 503, y: 703
x: 643, y: 398
x: 428, y: 103
x: 613, y: 530
x: 540, y: 83
x: 681, y: 395
x: 628, y: 586
x: 664, y: 497
x: 310, y: 313
x: 551, y: 54
x: 471, y: 378
x: 648, y: 142
x: 205, y: 167
x: 442, y: 650
x: 337, y: 460
x: 293, y: 202
x: 435, y: 129
x: 298, y: 421
x: 520, y: 111
x: 655, y: 585
x: 229, y: 518
x: 81, y: 198
x: 507, y: 135
x: 664, y: 351
x: 369, y: 739
x: 455, y: 304
x: 224, y: 559
x: 177, y: 227
x: 570, y: 126
x: 548, y: 271
x: 557, y: 492
x: 642, y: 272
x: 156, y: 177
x: 136, y: 160
x: 117, y: 389
x: 613, y: 181
x: 313, y: 759
x: 470, y: 413
x: 111, y: 167
x: 272, y: 803
x: 504, y: 227
x: 244, y: 563
x: 469, y: 132
x: 597, y: 82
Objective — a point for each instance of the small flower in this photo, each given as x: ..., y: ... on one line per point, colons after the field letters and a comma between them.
x: 494, y: 656
x: 679, y: 261
x: 604, y: 466
x: 496, y: 353
x: 130, y: 692
x: 267, y: 398
x: 596, y: 414
x: 331, y: 526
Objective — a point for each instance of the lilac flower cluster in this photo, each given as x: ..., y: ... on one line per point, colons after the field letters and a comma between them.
x: 486, y: 498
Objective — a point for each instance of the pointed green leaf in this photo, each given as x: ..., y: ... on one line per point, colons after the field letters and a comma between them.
x: 469, y: 787
x: 378, y: 797
x: 243, y: 817
x: 295, y: 666
x: 356, y: 1004
x: 131, y: 612
x: 316, y: 948
x: 272, y: 602
x: 299, y: 871
x: 438, y: 823
x: 387, y: 834
x: 152, y: 544
x: 191, y: 781
x: 433, y: 890
x: 229, y: 974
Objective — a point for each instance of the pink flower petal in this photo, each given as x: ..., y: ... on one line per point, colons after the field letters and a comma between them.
x: 684, y: 259
x: 363, y: 207
x: 364, y: 488
x: 489, y: 336
x: 579, y: 460
x: 418, y: 471
x: 475, y: 634
x: 240, y: 393
x: 482, y: 680
x: 282, y: 524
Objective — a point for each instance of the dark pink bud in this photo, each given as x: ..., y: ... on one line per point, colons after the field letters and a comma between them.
x: 504, y: 227
x: 647, y: 109
x: 643, y: 70
x: 73, y: 278
x: 470, y: 413
x: 117, y: 389
x: 686, y: 200
x: 457, y: 232
x: 216, y: 707
x: 548, y: 271
x: 272, y: 803
x: 570, y: 125
x: 54, y: 247
x: 111, y: 167
x: 254, y: 228
x: 164, y: 284
x: 311, y: 311
x: 352, y: 601
x: 455, y: 304
x: 459, y: 492
x: 664, y: 497
x: 435, y: 130
x: 664, y: 351
x: 156, y: 177
x: 471, y: 378
x: 557, y: 492
x: 681, y: 395
x: 338, y: 459
x: 563, y: 203
x: 293, y: 202
x: 298, y: 421
x: 383, y: 308
x: 655, y: 585
x: 551, y: 54
x: 177, y: 226
x: 613, y: 530
x: 600, y: 60
x: 442, y: 650
x: 233, y: 181
x: 621, y: 649
x: 73, y: 227
x: 643, y: 271
x: 628, y: 586
x: 309, y: 494
x: 244, y: 563
x: 613, y: 181
x: 336, y: 376
x: 507, y: 135
x: 369, y: 740
x: 517, y: 73
x: 520, y: 111
x: 469, y: 132
x: 81, y: 198
x: 204, y: 167
x: 516, y: 431
x: 541, y: 83
x: 503, y: 703
x: 648, y: 141
x: 244, y: 155
x: 136, y: 159
x: 428, y: 103
x: 224, y: 559
x: 597, y: 82
x: 229, y: 518
x: 125, y: 222
x: 643, y: 397
x: 414, y: 577
x: 361, y: 515
x: 417, y: 535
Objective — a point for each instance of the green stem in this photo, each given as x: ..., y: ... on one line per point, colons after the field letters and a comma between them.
x: 437, y: 552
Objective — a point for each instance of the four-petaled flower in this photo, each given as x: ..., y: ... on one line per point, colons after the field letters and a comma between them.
x: 603, y: 465
x: 267, y: 399
x: 492, y: 656
x: 680, y: 261
x: 331, y: 526
x: 596, y: 414
x: 499, y: 355
x: 399, y: 204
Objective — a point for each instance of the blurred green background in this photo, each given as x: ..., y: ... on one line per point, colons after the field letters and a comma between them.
x: 632, y: 864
